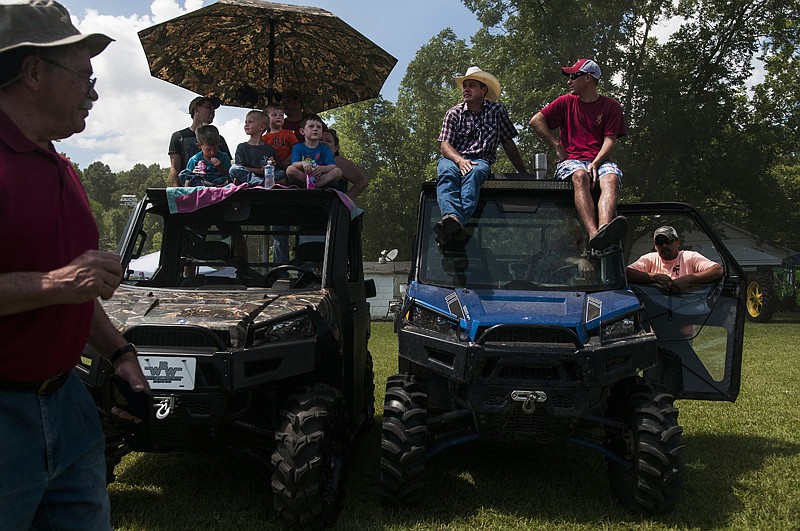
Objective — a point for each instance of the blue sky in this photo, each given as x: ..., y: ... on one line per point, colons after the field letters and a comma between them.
x: 136, y: 114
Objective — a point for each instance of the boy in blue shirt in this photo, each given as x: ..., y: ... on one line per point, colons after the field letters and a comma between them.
x: 313, y: 157
x: 210, y: 166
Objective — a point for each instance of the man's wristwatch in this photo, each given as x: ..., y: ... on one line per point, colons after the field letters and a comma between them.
x: 121, y: 351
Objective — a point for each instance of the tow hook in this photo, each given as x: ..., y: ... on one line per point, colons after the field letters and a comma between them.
x: 165, y: 407
x: 528, y: 399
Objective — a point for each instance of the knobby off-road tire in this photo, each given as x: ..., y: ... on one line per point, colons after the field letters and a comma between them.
x: 761, y: 299
x: 404, y: 439
x: 310, y: 458
x: 369, y: 394
x: 651, y: 444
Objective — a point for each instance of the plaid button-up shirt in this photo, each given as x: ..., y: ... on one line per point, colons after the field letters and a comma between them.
x: 479, y: 134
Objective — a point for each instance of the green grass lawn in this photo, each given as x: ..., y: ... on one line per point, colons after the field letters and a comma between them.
x: 742, y: 469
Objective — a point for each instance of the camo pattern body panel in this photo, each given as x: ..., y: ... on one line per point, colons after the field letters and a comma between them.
x: 214, y: 309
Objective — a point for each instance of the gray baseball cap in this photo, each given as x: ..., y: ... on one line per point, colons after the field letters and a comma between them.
x: 669, y: 232
x: 42, y: 23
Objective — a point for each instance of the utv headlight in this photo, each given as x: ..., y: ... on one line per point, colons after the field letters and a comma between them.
x: 298, y: 327
x: 625, y: 327
x: 430, y: 320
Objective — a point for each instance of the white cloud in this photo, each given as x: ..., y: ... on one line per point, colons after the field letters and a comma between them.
x: 166, y: 9
x: 663, y: 29
x: 136, y: 113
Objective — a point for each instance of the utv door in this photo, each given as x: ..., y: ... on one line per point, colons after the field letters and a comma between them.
x: 700, y: 331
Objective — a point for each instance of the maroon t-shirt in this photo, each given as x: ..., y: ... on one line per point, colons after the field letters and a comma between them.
x: 584, y: 126
x: 294, y: 126
x: 45, y: 222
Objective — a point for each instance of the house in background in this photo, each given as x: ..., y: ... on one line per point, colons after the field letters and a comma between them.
x: 391, y: 279
x: 753, y: 256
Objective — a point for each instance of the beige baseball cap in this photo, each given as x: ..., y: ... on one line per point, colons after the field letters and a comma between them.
x: 42, y: 23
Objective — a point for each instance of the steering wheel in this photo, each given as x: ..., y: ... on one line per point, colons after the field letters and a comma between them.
x: 521, y: 284
x: 562, y: 274
x: 307, y: 276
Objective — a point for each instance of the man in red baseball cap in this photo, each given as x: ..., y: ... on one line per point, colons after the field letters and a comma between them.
x: 589, y: 126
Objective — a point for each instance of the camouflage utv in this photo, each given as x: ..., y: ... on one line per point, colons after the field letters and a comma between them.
x: 240, y: 350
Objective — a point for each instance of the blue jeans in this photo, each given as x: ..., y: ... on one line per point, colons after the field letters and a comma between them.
x: 239, y: 172
x: 458, y: 194
x: 280, y: 246
x: 52, y: 461
x: 196, y: 180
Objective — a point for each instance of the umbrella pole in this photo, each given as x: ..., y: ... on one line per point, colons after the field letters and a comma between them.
x: 271, y: 69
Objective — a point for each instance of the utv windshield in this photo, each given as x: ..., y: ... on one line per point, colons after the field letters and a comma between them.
x: 519, y: 241
x: 238, y: 244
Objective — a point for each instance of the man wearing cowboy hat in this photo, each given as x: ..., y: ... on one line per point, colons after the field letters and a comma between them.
x: 590, y: 125
x: 52, y: 445
x: 471, y: 132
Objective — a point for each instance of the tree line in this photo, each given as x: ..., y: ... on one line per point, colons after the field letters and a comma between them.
x: 701, y: 128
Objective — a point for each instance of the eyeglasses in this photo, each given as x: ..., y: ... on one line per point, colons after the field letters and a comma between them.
x: 662, y: 241
x: 90, y: 81
x: 575, y: 75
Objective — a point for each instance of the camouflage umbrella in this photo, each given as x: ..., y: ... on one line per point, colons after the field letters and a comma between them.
x: 246, y: 52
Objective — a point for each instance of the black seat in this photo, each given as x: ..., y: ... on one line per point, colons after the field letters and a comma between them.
x: 310, y: 252
x: 211, y: 250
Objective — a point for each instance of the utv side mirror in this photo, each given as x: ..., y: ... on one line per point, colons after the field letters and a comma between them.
x: 369, y: 288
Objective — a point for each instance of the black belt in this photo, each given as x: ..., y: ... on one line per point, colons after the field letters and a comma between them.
x: 41, y: 387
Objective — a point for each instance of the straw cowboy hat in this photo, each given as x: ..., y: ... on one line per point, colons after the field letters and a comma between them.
x: 486, y: 78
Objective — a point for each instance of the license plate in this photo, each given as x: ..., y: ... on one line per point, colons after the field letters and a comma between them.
x: 169, y: 372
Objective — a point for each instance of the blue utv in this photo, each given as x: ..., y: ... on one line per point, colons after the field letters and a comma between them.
x: 522, y: 333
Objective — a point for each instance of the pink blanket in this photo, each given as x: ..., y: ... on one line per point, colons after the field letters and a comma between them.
x: 185, y: 199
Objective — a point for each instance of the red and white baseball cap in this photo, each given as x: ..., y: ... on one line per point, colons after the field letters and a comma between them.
x: 583, y: 65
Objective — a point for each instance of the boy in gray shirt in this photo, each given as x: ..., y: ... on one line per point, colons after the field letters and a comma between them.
x: 252, y: 156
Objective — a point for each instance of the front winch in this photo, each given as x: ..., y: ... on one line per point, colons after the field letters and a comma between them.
x: 528, y: 399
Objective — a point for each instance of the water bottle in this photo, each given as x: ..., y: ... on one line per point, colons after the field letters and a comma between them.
x: 311, y: 181
x: 269, y: 174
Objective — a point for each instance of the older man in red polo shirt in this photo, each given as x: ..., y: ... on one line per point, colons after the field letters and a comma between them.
x: 51, y: 273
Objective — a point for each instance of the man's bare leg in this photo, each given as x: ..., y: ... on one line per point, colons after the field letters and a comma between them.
x: 581, y: 182
x: 607, y: 204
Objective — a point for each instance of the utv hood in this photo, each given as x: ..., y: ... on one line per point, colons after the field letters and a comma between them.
x: 212, y: 309
x: 579, y: 311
